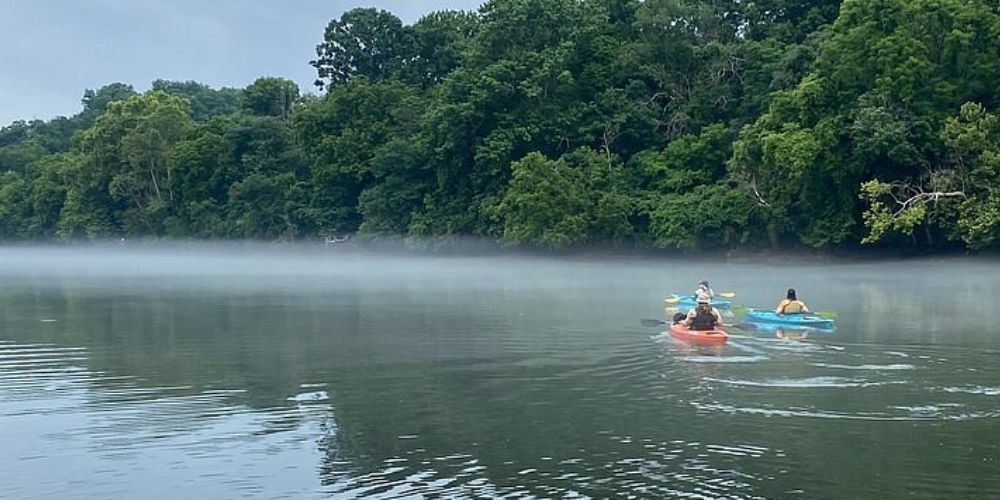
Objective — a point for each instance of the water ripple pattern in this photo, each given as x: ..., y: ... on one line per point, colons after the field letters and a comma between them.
x: 111, y: 433
x: 308, y: 374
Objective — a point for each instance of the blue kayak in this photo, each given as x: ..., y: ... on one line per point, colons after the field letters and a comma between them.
x: 768, y: 316
x: 762, y: 326
x: 691, y: 301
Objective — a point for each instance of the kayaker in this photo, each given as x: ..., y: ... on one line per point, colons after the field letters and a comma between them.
x: 703, y: 288
x: 703, y: 316
x: 791, y: 304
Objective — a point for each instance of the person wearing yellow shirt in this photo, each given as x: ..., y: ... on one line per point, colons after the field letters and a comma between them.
x: 791, y: 305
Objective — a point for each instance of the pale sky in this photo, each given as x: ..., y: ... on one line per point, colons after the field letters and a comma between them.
x: 52, y: 50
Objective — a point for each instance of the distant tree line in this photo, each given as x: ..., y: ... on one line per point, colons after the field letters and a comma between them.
x: 683, y: 124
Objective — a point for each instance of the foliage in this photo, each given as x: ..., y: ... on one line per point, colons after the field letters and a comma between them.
x: 366, y: 42
x: 572, y: 200
x: 204, y: 101
x: 886, y: 77
x: 270, y: 97
x: 675, y: 124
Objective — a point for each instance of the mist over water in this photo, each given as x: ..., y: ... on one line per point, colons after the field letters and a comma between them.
x: 221, y: 371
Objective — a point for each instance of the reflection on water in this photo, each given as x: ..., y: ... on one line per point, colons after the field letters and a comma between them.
x: 298, y: 376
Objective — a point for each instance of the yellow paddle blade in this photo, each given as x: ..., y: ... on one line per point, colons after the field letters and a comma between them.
x: 727, y: 295
x: 672, y: 300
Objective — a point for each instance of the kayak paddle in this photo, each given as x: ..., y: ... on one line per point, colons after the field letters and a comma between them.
x: 673, y: 299
x: 652, y: 322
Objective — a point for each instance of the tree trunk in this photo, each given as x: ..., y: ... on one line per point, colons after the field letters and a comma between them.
x: 156, y: 185
x: 170, y: 185
x: 142, y: 212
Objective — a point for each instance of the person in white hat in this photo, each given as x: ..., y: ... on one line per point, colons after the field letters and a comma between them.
x: 704, y: 288
x: 703, y: 316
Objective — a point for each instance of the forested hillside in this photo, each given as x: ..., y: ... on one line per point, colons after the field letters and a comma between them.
x: 676, y: 124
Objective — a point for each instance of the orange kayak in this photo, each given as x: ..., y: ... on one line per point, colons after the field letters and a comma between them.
x: 699, y: 336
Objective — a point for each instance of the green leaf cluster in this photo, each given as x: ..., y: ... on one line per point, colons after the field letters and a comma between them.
x: 674, y: 124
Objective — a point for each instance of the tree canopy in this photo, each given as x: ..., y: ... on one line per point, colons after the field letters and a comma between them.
x: 675, y: 124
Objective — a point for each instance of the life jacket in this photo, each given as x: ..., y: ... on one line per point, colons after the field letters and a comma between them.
x: 788, y: 306
x: 704, y: 320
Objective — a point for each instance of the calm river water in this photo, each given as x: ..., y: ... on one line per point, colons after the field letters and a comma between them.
x: 215, y: 373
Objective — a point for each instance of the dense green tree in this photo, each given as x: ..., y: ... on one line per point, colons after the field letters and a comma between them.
x: 48, y: 193
x: 873, y: 107
x: 89, y: 210
x: 402, y: 182
x: 575, y: 199
x: 961, y: 198
x: 96, y: 101
x: 689, y: 201
x: 266, y: 207
x: 14, y: 205
x: 787, y: 21
x: 22, y: 142
x: 270, y: 96
x: 366, y: 42
x: 20, y: 150
x: 204, y: 170
x: 341, y: 135
x: 678, y: 124
x: 131, y: 144
x: 204, y: 101
x: 440, y: 42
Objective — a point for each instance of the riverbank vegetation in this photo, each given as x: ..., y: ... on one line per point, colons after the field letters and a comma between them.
x: 675, y: 124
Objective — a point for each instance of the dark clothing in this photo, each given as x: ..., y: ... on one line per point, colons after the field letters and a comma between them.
x: 704, y: 319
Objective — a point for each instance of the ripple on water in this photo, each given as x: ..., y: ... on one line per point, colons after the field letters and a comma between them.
x: 941, y: 412
x: 722, y: 359
x: 792, y: 412
x: 55, y: 409
x: 310, y: 397
x: 979, y: 390
x: 654, y: 468
x: 804, y: 383
x: 893, y: 367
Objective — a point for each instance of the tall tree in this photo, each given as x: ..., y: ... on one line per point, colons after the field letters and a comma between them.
x: 440, y: 41
x: 132, y: 143
x: 204, y: 101
x: 96, y: 101
x: 270, y: 96
x: 363, y: 42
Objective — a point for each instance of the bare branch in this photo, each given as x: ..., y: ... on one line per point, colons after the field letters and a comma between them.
x: 921, y: 197
x: 760, y: 199
x: 657, y: 96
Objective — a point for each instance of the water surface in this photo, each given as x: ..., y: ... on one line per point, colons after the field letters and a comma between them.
x: 220, y: 373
